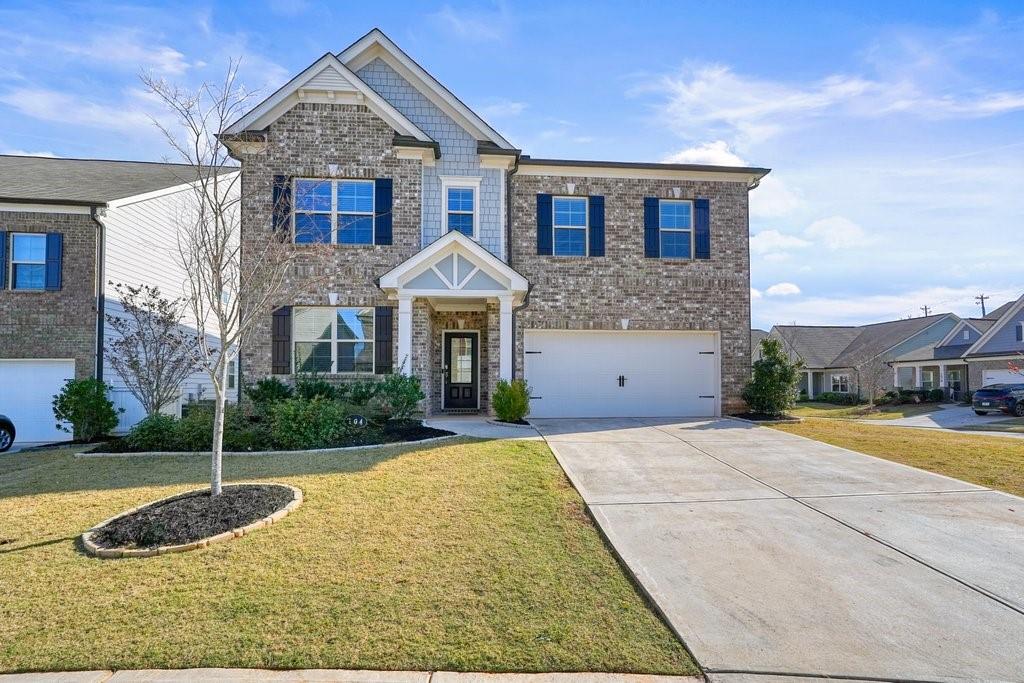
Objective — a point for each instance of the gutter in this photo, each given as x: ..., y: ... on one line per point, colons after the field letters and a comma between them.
x: 97, y: 214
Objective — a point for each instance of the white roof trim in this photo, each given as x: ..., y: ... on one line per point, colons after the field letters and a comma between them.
x: 956, y: 328
x: 999, y: 324
x: 376, y: 44
x: 454, y: 242
x: 287, y: 95
x: 634, y: 173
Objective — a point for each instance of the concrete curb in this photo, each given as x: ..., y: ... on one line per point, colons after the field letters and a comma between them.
x: 340, y: 449
x: 116, y: 553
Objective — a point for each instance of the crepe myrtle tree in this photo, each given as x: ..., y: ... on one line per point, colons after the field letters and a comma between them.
x: 228, y: 296
x: 151, y: 349
x: 871, y: 378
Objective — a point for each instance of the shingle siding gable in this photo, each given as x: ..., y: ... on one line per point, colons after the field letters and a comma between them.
x: 1005, y: 340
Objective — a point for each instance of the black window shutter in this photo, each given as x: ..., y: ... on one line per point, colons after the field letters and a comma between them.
x: 54, y: 260
x: 596, y: 226
x: 3, y: 259
x: 544, y: 225
x: 281, y: 341
x: 651, y: 241
x: 382, y: 205
x: 702, y: 228
x: 282, y: 197
x: 383, y: 350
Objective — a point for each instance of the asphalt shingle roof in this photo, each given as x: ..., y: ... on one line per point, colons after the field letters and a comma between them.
x: 84, y: 181
x: 935, y: 353
x: 880, y: 337
x: 824, y: 346
x: 817, y: 345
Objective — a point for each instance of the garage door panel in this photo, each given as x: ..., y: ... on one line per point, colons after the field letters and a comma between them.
x: 576, y: 373
x: 1000, y: 377
x: 27, y: 388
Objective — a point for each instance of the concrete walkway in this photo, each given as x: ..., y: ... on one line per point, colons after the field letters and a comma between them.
x: 773, y: 554
x: 482, y: 427
x: 328, y: 676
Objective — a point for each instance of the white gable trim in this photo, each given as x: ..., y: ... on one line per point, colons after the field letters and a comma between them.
x: 464, y: 248
x: 955, y: 331
x: 999, y: 324
x: 375, y: 44
x: 312, y: 86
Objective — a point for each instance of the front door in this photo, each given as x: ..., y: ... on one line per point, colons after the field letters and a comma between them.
x: 461, y: 375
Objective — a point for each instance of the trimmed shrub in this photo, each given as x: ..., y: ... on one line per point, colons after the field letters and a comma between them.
x: 267, y: 391
x: 194, y: 431
x: 936, y: 395
x: 297, y: 423
x: 83, y: 410
x: 311, y: 386
x: 772, y: 390
x: 360, y: 393
x: 397, y: 395
x: 156, y: 432
x: 838, y: 398
x: 511, y: 400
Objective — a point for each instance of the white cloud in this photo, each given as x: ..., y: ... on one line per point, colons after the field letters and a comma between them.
x: 837, y: 232
x: 25, y: 153
x: 755, y: 293
x: 782, y: 289
x: 501, y: 110
x: 716, y: 153
x: 126, y: 49
x: 768, y: 241
x: 51, y: 105
x: 476, y: 26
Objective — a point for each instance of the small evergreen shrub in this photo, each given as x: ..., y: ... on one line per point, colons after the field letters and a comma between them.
x: 83, y: 410
x: 397, y: 396
x: 838, y: 398
x: 511, y: 401
x: 156, y: 432
x: 267, y: 391
x: 298, y: 423
x: 311, y: 386
x: 936, y: 395
x: 360, y: 393
x: 772, y: 390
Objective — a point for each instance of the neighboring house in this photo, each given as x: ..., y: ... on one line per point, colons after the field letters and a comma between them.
x: 975, y: 353
x: 69, y: 227
x: 756, y: 336
x: 842, y: 358
x: 613, y: 288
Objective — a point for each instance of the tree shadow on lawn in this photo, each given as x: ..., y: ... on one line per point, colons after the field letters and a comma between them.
x: 59, y: 471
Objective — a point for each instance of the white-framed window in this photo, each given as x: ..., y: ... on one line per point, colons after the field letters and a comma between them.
x: 927, y: 379
x: 460, y: 199
x: 333, y: 211
x: 571, y: 226
x: 232, y: 373
x: 1020, y: 331
x: 675, y: 228
x: 332, y: 340
x: 966, y: 334
x: 841, y: 384
x: 28, y: 261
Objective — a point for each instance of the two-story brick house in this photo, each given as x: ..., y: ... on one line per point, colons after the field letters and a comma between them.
x: 613, y: 288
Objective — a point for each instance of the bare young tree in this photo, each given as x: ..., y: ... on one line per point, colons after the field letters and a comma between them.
x: 872, y: 376
x: 151, y: 350
x: 228, y: 296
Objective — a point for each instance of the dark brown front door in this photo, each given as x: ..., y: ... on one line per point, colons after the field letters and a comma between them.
x: 461, y: 375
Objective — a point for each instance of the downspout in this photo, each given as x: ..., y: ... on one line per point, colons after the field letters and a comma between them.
x: 97, y: 213
x: 508, y: 255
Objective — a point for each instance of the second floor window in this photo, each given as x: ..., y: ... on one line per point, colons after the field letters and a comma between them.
x: 333, y: 211
x: 28, y: 261
x: 570, y: 226
x: 675, y: 227
x: 460, y: 203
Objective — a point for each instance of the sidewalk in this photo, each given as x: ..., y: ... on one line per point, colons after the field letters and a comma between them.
x: 329, y: 676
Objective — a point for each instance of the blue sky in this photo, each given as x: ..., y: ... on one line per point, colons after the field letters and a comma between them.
x: 895, y: 131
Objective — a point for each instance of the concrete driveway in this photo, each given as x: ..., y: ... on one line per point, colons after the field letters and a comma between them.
x: 771, y: 554
x: 946, y: 417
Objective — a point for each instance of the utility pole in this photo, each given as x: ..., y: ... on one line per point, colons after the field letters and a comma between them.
x: 981, y: 300
x: 926, y: 310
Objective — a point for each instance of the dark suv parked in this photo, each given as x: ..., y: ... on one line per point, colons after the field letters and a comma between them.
x: 1006, y: 398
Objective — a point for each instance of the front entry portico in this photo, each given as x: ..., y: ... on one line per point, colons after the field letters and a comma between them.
x: 455, y: 295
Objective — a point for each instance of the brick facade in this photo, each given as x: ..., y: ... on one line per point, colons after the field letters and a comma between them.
x: 976, y: 370
x: 62, y: 324
x: 595, y: 293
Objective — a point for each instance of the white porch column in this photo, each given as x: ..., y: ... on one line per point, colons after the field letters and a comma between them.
x: 505, y: 337
x: 404, y: 359
x: 810, y: 384
x: 895, y: 377
x: 917, y: 377
x: 942, y: 375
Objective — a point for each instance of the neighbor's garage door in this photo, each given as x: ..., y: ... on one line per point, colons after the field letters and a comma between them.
x: 1000, y: 377
x: 26, y: 396
x: 577, y: 373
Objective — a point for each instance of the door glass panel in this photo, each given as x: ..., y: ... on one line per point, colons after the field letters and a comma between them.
x: 462, y: 360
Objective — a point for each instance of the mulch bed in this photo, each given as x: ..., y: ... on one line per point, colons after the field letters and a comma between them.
x: 763, y: 417
x: 521, y: 423
x: 193, y: 517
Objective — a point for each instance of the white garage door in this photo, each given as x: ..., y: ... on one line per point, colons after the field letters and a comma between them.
x: 1001, y: 377
x: 622, y: 373
x: 26, y: 396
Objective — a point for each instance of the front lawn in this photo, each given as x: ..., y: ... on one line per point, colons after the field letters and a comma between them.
x: 472, y: 556
x: 1014, y: 425
x: 993, y: 462
x: 816, y: 409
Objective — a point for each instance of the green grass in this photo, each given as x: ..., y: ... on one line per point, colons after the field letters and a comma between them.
x: 471, y: 556
x: 816, y: 409
x: 1014, y: 425
x: 993, y: 462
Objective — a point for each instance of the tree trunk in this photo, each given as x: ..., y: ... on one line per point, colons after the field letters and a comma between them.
x: 216, y: 473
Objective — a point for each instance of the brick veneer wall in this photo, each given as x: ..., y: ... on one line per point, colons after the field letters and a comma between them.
x: 302, y: 143
x: 654, y: 294
x: 62, y: 324
x: 976, y: 370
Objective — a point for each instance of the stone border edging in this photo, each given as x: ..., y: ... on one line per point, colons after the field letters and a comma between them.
x: 339, y: 449
x: 112, y: 553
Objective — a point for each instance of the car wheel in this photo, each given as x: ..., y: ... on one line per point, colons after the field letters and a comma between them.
x: 6, y: 439
x: 1018, y: 409
x: 981, y: 412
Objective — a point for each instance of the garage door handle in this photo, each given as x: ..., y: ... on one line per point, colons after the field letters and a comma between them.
x: 702, y: 396
x: 706, y: 353
x: 533, y: 352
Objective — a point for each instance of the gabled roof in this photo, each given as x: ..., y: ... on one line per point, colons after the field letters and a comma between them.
x: 326, y: 79
x: 85, y: 182
x: 934, y: 353
x: 816, y: 345
x: 998, y: 313
x: 376, y: 44
x: 1007, y: 312
x: 878, y: 338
